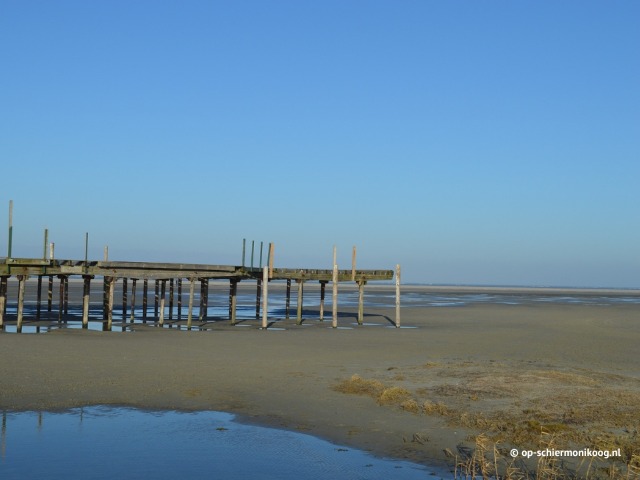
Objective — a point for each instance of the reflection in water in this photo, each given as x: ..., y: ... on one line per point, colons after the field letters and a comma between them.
x: 104, y: 442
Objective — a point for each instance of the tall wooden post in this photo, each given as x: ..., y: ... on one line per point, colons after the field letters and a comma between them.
x: 145, y: 292
x: 3, y: 299
x: 162, y: 295
x: 271, y: 252
x: 133, y: 300
x: 204, y: 299
x: 323, y: 284
x: 398, y: 296
x: 125, y: 287
x: 191, y: 293
x: 39, y: 298
x: 85, y: 300
x: 258, y: 292
x: 66, y: 294
x: 233, y: 291
x: 50, y: 294
x: 21, y: 287
x: 156, y: 300
x: 179, y: 299
x: 334, y: 323
x: 61, y: 299
x: 265, y: 297
x: 300, y: 300
x: 111, y: 286
x: 361, y: 284
x: 171, y: 299
x: 288, y: 300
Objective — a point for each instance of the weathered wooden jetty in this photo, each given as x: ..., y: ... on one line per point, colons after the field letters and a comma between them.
x: 124, y: 274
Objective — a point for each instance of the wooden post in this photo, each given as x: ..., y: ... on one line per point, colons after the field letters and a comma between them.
x: 66, y: 294
x: 398, y: 296
x: 233, y: 291
x: 271, y: 248
x: 204, y: 298
x: 288, y: 301
x: 258, y: 292
x: 106, y: 253
x: 85, y: 300
x: 61, y: 298
x: 39, y: 299
x: 50, y: 294
x: 133, y: 300
x: 191, y: 293
x: 179, y: 299
x: 323, y: 284
x: 52, y: 249
x: 22, y: 280
x: 265, y: 296
x: 3, y: 299
x: 361, y: 284
x: 110, y: 291
x: 171, y: 299
x: 156, y: 299
x: 162, y: 292
x: 353, y: 264
x: 334, y: 323
x: 10, y: 229
x: 299, y: 305
x: 125, y: 286
x: 145, y: 292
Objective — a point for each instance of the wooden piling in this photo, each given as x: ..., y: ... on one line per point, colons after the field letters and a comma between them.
x: 50, y: 294
x: 300, y: 301
x: 39, y: 297
x: 66, y: 294
x: 125, y: 287
x: 204, y: 299
x: 145, y: 292
x: 191, y: 293
x: 361, y: 284
x: 156, y: 300
x: 323, y: 284
x: 171, y: 299
x: 288, y: 300
x: 111, y: 286
x: 61, y: 299
x: 398, y: 296
x: 258, y: 292
x: 163, y: 284
x: 3, y: 298
x: 265, y: 297
x: 233, y: 291
x: 271, y: 252
x: 22, y: 279
x: 334, y: 307
x: 85, y: 300
x: 179, y: 299
x: 133, y: 300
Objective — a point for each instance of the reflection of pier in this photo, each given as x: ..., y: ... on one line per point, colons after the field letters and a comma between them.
x: 167, y: 283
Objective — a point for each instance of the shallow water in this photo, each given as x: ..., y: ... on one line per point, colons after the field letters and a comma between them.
x: 104, y: 442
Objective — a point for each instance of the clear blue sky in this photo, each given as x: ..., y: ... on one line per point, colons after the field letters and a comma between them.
x: 482, y: 142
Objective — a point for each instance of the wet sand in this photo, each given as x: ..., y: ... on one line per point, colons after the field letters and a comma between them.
x: 480, y: 358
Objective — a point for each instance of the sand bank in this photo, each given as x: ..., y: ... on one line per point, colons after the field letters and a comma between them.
x: 465, y: 362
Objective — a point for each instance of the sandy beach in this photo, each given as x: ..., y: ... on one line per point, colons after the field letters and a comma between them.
x: 512, y: 372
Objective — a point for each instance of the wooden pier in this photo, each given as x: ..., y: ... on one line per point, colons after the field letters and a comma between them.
x: 128, y: 276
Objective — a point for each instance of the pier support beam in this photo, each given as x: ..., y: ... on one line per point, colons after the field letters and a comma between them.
x: 323, y: 285
x: 125, y: 287
x: 61, y: 299
x: 86, y: 291
x: 156, y: 300
x: 233, y: 299
x: 179, y: 299
x: 171, y: 289
x: 191, y: 293
x: 204, y: 299
x: 288, y: 301
x: 397, y: 296
x: 258, y: 293
x: 334, y: 306
x: 111, y: 286
x: 133, y: 300
x: 145, y: 293
x: 21, y: 288
x: 50, y: 294
x: 300, y: 300
x: 361, y: 284
x: 163, y: 288
x: 3, y: 299
x: 265, y: 297
x: 39, y: 297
